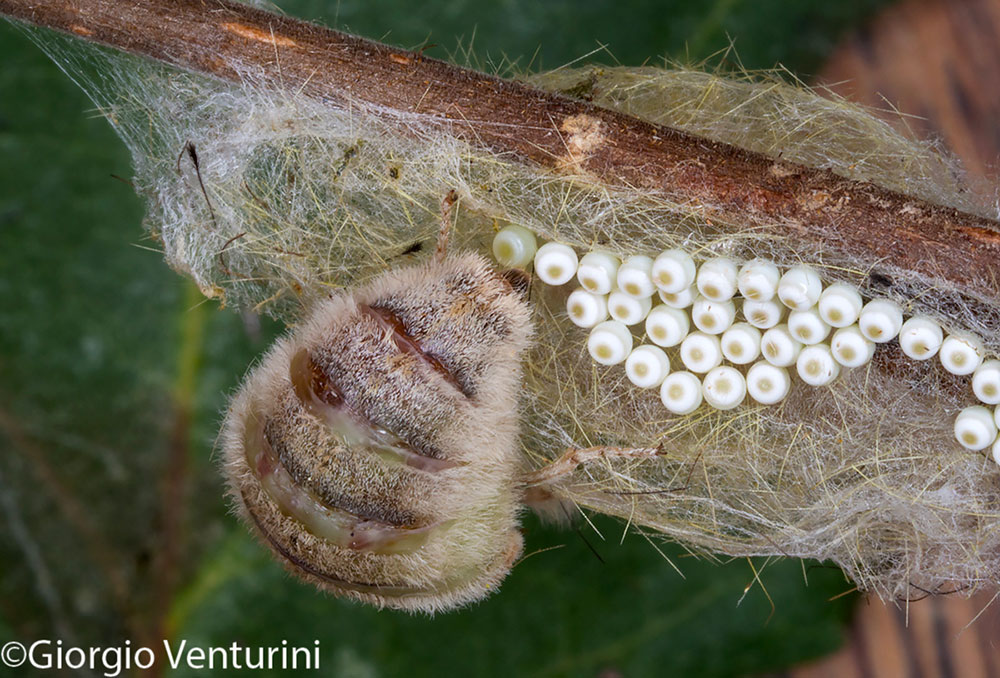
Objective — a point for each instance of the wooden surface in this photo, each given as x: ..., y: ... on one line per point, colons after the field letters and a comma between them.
x: 936, y: 60
x: 937, y: 640
x: 939, y: 60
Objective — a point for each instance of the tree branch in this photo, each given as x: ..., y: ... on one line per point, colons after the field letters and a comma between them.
x: 822, y: 211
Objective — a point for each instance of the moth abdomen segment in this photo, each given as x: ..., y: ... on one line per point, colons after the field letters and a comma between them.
x: 375, y: 447
x: 400, y: 336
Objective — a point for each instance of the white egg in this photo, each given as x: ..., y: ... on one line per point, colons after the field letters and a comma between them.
x: 716, y: 279
x: 767, y: 383
x: 724, y: 388
x: 701, y: 352
x: 647, y: 366
x: 666, y: 326
x: 555, y: 263
x: 586, y: 309
x: 634, y: 277
x: 799, y: 288
x: 758, y: 280
x: 598, y: 272
x: 514, y: 246
x: 673, y: 271
x: 609, y: 342
x: 680, y: 392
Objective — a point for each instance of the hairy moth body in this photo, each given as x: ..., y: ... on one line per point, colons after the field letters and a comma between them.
x: 374, y: 448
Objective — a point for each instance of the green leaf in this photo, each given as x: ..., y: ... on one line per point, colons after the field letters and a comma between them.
x: 541, y: 35
x: 113, y: 375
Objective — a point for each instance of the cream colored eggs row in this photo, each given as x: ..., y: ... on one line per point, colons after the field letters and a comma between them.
x: 852, y: 346
x: 624, y: 291
x: 789, y: 318
x: 723, y: 387
x: 611, y: 343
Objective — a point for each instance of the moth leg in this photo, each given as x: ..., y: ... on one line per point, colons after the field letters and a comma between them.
x: 572, y: 458
x: 538, y: 487
x: 441, y: 249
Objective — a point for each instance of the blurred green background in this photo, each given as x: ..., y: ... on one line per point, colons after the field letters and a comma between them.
x: 114, y: 372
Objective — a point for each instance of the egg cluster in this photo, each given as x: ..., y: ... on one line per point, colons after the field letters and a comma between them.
x: 791, y: 324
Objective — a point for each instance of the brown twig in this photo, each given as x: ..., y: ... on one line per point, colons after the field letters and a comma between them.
x: 816, y: 209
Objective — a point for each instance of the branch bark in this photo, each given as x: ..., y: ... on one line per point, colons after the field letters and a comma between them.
x: 817, y: 208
